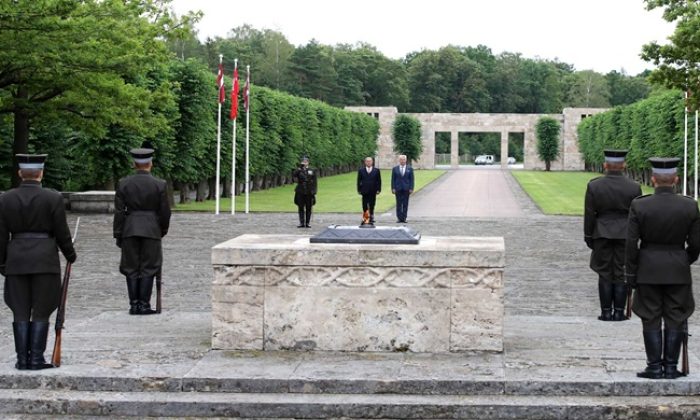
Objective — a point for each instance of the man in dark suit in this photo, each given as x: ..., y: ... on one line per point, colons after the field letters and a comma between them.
x: 32, y: 227
x: 607, y: 205
x: 369, y: 185
x: 402, y: 184
x: 141, y: 219
x: 663, y: 239
x: 305, y: 191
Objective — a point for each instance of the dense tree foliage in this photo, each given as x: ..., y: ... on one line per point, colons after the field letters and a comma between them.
x: 652, y: 127
x: 547, y: 131
x: 407, y: 137
x: 678, y: 62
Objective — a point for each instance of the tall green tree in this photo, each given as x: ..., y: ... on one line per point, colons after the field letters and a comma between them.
x: 547, y: 131
x: 678, y: 62
x: 79, y: 61
x: 406, y: 134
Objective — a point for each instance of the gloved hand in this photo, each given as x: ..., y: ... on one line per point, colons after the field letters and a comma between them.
x: 589, y: 242
x: 119, y: 242
x: 71, y: 258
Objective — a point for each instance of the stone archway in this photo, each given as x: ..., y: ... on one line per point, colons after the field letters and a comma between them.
x: 569, y: 159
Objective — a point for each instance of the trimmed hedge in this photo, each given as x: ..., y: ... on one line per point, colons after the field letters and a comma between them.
x: 284, y: 127
x: 652, y: 127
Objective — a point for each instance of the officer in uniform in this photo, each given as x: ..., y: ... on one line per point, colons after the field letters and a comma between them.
x: 32, y: 228
x: 305, y: 191
x: 663, y: 239
x: 607, y: 205
x: 141, y: 219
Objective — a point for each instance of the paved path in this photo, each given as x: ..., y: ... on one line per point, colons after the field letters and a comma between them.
x: 472, y: 192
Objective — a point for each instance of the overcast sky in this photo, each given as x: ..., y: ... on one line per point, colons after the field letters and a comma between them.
x: 601, y: 35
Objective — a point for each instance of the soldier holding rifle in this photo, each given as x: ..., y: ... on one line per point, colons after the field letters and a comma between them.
x: 32, y: 229
x: 141, y: 219
x: 663, y: 239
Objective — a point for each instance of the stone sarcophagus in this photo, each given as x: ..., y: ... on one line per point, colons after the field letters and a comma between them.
x: 281, y: 292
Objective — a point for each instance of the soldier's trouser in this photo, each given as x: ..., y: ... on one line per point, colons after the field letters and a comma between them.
x: 141, y: 257
x: 304, y: 206
x: 608, y: 259
x: 671, y: 303
x: 32, y: 296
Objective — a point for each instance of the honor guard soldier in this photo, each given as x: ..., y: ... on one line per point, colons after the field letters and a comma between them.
x: 305, y: 191
x: 663, y: 239
x: 607, y: 205
x: 32, y: 229
x: 141, y: 219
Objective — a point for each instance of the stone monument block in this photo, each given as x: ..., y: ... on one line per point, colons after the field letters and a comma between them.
x: 282, y: 292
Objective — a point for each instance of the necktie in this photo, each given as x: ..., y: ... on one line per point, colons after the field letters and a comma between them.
x: 403, y: 168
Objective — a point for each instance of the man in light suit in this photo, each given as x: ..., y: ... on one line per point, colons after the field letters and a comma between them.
x: 369, y: 185
x: 402, y: 183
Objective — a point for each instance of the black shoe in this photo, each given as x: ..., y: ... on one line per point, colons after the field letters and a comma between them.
x: 606, y: 315
x: 145, y: 309
x: 619, y: 315
x: 38, y: 332
x: 21, y: 332
x: 301, y: 226
x: 652, y: 347
x: 672, y: 348
x: 307, y: 226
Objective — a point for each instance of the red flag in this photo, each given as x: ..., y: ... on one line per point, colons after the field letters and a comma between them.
x: 234, y: 94
x: 246, y: 90
x: 220, y: 83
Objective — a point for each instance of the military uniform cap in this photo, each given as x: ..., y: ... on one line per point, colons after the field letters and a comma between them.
x: 26, y: 161
x: 615, y: 155
x: 304, y: 158
x: 664, y: 166
x: 142, y: 154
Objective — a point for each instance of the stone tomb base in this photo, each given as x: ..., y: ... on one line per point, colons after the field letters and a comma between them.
x: 281, y: 292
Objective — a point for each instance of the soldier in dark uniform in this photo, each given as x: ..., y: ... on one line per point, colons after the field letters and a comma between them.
x: 607, y: 205
x: 141, y: 219
x: 305, y: 191
x: 32, y: 226
x: 663, y: 239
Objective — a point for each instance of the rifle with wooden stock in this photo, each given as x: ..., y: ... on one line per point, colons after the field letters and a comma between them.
x: 159, y: 286
x: 61, y: 312
x: 685, y: 365
x: 628, y: 311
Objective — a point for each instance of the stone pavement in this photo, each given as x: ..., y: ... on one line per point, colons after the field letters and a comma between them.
x: 467, y: 192
x: 553, y: 344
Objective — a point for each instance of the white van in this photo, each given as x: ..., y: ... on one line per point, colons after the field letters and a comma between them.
x: 484, y: 160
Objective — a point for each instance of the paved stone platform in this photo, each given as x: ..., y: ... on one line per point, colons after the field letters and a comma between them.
x: 556, y: 353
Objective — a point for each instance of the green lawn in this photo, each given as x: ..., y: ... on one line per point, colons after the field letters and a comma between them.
x: 336, y: 194
x: 558, y: 192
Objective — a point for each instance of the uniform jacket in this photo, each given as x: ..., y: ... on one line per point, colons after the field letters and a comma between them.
x: 369, y: 183
x: 607, y: 205
x: 141, y: 207
x: 663, y: 238
x: 399, y: 182
x: 33, y: 209
x: 306, y: 181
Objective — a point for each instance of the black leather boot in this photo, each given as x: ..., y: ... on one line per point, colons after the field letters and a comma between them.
x: 619, y: 300
x: 301, y: 219
x: 38, y: 331
x: 21, y: 332
x: 605, y: 293
x: 145, y: 289
x: 672, y: 348
x: 652, y: 346
x: 308, y: 218
x: 132, y: 286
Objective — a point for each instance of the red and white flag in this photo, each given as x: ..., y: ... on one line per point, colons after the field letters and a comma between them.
x: 234, y: 94
x: 220, y: 83
x: 246, y: 90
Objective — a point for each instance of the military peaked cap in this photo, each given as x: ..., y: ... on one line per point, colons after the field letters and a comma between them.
x: 664, y: 166
x: 31, y: 161
x: 614, y: 156
x: 142, y: 155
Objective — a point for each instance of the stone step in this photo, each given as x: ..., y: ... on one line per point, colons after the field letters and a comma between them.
x: 271, y: 385
x: 307, y: 406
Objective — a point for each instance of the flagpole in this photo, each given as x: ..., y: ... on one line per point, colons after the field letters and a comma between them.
x: 247, y: 142
x: 695, y: 187
x: 233, y: 145
x: 218, y: 137
x: 685, y: 146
